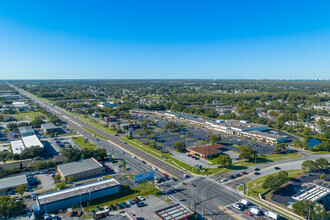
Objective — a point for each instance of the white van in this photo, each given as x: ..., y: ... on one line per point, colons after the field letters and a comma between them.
x: 254, y: 211
x: 272, y: 215
x: 244, y: 202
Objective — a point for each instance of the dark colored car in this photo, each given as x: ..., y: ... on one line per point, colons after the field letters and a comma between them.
x: 124, y: 204
x: 256, y: 169
x: 232, y: 177
x: 244, y: 173
x: 256, y: 173
x: 277, y: 168
x: 238, y: 175
x: 93, y: 212
x: 119, y: 206
x: 112, y: 207
x: 140, y: 204
x: 99, y: 208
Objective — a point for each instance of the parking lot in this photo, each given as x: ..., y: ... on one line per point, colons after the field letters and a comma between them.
x: 284, y: 195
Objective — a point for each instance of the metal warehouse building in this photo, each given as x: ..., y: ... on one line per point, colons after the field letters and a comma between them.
x: 10, y: 183
x: 67, y: 198
x: 49, y: 127
x: 80, y: 169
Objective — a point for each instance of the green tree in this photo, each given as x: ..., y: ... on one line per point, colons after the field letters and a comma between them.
x: 9, y: 207
x: 5, y: 156
x: 224, y: 160
x: 246, y: 152
x: 274, y: 182
x: 179, y: 146
x: 308, y: 165
x: 60, y: 185
x: 280, y: 148
x: 70, y: 179
x: 323, y: 176
x: 214, y: 138
x: 303, y: 207
x: 32, y: 152
x: 21, y: 189
x: 124, y: 164
x: 322, y: 162
x: 72, y: 154
x: 170, y: 125
x: 57, y: 177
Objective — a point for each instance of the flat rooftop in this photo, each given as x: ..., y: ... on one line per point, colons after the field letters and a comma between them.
x: 313, y: 193
x: 266, y: 134
x: 11, y: 182
x: 76, y: 191
x: 175, y: 212
x: 31, y: 140
x: 17, y: 146
x: 79, y: 166
x: 48, y: 126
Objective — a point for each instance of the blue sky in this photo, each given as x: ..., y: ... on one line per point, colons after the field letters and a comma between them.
x: 164, y: 39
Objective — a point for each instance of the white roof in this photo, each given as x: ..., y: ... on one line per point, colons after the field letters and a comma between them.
x: 17, y: 146
x: 31, y: 140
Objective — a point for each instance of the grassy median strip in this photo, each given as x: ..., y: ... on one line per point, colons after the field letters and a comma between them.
x: 93, y: 132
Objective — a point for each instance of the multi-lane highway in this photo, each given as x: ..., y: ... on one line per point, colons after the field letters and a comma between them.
x: 205, y: 194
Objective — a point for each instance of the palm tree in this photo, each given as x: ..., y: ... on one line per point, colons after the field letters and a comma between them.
x: 124, y: 165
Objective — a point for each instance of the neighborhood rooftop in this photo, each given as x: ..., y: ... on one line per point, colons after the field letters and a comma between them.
x: 79, y: 166
x: 76, y: 191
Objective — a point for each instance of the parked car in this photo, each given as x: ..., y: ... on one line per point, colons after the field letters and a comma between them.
x: 99, y: 208
x: 238, y: 175
x: 133, y: 201
x: 140, y: 204
x: 277, y: 168
x: 256, y: 169
x: 172, y: 178
x: 124, y: 204
x: 141, y: 198
x: 224, y: 180
x: 137, y: 199
x: 112, y: 207
x: 36, y: 173
x: 244, y: 173
x: 106, y: 208
x: 256, y: 173
x: 119, y: 206
x: 165, y: 175
x: 232, y: 177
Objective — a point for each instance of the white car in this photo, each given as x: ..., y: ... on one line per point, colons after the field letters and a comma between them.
x: 128, y: 202
x: 155, y: 168
x: 106, y: 208
x: 141, y: 198
x: 237, y: 206
x: 224, y: 180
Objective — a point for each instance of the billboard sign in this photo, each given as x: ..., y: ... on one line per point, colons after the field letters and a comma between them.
x: 144, y: 176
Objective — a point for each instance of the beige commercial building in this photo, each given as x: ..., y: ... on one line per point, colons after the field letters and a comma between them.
x: 80, y: 169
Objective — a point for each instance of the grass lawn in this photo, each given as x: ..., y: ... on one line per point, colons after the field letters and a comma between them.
x: 169, y: 159
x: 93, y: 132
x: 258, y: 189
x: 80, y: 141
x: 143, y: 189
x: 269, y: 158
x: 97, y: 124
x: 22, y: 116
